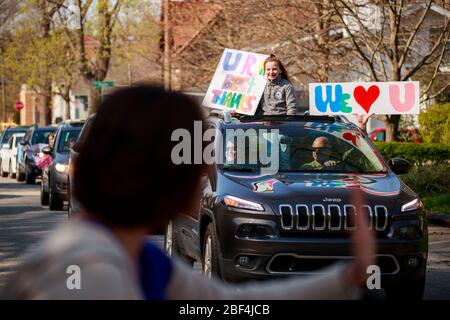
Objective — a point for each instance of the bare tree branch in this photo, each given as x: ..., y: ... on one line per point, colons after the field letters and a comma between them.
x: 444, y: 35
x: 436, y: 70
x: 357, y: 47
x: 413, y: 34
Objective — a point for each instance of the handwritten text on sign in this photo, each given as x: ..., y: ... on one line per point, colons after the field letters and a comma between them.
x: 364, y: 97
x: 238, y: 82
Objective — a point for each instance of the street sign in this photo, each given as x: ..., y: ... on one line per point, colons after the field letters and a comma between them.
x: 19, y: 105
x: 98, y: 84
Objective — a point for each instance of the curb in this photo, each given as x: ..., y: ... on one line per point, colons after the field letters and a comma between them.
x: 439, y: 219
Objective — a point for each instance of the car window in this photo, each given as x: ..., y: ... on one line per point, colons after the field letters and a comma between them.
x: 346, y: 148
x: 85, y: 130
x: 67, y: 139
x: 41, y: 136
x: 10, y: 142
x: 6, y: 136
x: 18, y: 139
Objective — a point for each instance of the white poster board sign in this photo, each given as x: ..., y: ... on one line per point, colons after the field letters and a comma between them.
x: 364, y: 98
x: 238, y: 82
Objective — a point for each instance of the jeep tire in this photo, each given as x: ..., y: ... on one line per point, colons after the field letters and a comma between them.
x: 210, y: 253
x: 171, y: 245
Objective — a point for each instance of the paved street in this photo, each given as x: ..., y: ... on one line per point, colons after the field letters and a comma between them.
x: 23, y: 222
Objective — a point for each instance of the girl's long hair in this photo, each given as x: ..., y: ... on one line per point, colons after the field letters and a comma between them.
x: 273, y: 58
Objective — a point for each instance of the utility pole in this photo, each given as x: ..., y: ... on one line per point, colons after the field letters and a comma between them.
x: 3, y: 90
x: 167, y: 54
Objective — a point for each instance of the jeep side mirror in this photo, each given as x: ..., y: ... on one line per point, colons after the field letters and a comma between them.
x: 47, y: 150
x: 399, y: 166
x: 23, y: 143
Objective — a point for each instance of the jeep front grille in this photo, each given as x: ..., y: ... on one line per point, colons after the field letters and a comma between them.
x: 332, y: 217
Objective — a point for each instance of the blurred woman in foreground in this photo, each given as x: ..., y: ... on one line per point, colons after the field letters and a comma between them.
x: 130, y: 188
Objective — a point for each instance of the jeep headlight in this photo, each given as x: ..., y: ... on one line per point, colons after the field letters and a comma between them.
x: 61, y: 167
x: 412, y: 205
x: 236, y: 202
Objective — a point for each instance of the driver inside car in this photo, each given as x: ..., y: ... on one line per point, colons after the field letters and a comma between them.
x: 322, y: 156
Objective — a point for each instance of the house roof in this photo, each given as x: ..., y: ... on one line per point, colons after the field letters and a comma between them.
x: 189, y: 19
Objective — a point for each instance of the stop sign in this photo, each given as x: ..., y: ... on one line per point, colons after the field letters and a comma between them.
x: 19, y: 105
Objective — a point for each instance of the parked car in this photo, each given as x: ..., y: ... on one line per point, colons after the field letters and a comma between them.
x: 404, y: 135
x: 34, y: 140
x: 73, y: 205
x: 8, y: 155
x: 252, y: 225
x: 55, y: 176
x: 6, y: 134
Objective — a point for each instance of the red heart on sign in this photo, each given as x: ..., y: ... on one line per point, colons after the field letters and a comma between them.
x: 366, y: 98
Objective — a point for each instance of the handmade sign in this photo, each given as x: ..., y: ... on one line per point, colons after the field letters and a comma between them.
x: 238, y: 82
x: 364, y: 98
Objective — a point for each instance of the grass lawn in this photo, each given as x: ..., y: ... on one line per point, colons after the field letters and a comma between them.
x: 437, y: 203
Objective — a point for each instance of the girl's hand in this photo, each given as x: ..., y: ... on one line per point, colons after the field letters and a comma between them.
x: 364, y: 244
x: 362, y: 120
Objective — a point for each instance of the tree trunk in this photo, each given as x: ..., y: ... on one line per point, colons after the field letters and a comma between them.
x: 68, y: 110
x: 167, y: 72
x: 391, y: 122
x: 44, y: 103
x: 94, y: 99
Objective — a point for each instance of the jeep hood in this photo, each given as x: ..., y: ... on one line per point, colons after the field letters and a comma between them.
x: 319, y: 184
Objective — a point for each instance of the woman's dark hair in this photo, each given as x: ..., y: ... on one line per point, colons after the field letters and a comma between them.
x: 273, y: 58
x: 124, y: 173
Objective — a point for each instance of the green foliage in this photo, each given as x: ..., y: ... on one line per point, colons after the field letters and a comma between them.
x: 417, y: 154
x: 435, y: 124
x: 429, y: 179
x: 432, y: 183
x: 437, y: 203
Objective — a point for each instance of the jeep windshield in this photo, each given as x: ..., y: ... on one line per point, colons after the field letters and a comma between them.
x: 302, y: 147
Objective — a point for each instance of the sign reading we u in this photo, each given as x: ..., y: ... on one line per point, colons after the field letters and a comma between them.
x: 364, y: 97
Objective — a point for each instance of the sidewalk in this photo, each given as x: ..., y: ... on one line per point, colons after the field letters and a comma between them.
x: 439, y: 219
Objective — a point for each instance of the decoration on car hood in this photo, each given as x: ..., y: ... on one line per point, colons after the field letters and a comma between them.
x: 265, y: 186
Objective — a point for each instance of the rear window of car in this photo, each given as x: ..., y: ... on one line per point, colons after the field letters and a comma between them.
x: 8, y: 133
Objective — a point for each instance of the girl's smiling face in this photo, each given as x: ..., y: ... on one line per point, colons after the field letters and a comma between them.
x: 272, y: 70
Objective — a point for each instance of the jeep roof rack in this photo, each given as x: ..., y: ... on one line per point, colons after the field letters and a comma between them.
x: 338, y: 118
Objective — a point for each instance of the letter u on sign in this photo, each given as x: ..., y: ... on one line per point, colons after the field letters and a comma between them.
x: 408, y: 98
x: 227, y: 64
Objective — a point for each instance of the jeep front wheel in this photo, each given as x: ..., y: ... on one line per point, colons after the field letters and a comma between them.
x: 171, y: 245
x: 210, y: 258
